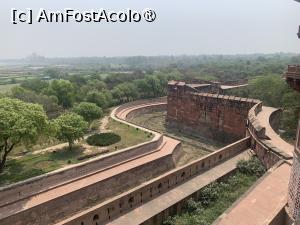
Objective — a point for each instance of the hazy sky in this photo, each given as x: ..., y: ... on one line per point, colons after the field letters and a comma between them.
x: 182, y: 27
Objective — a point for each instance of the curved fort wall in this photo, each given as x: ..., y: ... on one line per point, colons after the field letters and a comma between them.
x: 260, y: 144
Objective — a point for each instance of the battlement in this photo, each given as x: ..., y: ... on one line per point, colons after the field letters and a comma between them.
x: 199, y: 109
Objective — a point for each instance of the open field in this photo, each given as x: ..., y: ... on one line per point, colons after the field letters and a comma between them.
x: 192, y: 147
x: 6, y: 87
x: 30, y: 165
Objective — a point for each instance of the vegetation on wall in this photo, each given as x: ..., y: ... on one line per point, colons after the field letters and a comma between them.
x: 218, y: 196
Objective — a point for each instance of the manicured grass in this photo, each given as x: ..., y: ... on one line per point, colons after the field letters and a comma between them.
x: 129, y: 135
x: 30, y: 165
x: 219, y: 196
x: 34, y: 165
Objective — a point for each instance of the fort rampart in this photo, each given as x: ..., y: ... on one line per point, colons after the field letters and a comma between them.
x: 267, y: 153
x: 115, y: 207
x: 208, y: 115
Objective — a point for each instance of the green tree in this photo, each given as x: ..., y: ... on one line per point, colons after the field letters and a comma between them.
x: 20, y: 123
x: 98, y: 98
x: 36, y: 85
x: 70, y: 127
x: 49, y: 103
x: 291, y: 105
x: 269, y: 89
x: 89, y: 111
x: 53, y: 73
x: 64, y: 91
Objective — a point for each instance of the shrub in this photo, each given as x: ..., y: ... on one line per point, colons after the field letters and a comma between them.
x: 251, y: 167
x: 192, y: 206
x: 103, y: 139
x: 209, y: 194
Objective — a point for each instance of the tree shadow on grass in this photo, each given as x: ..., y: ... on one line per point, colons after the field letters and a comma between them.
x: 16, y: 171
x: 66, y: 154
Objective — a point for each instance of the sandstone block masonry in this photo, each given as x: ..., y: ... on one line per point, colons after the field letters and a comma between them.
x: 214, y: 116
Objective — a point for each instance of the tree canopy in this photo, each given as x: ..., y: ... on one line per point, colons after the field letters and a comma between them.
x: 70, y: 127
x: 64, y: 91
x: 89, y: 111
x: 20, y: 123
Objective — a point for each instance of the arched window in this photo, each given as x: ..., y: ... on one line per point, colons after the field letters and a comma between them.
x: 96, y: 217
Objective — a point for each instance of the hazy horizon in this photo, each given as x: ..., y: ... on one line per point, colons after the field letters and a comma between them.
x: 182, y: 28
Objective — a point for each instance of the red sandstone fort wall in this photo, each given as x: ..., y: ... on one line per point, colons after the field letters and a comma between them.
x: 210, y: 115
x: 115, y: 207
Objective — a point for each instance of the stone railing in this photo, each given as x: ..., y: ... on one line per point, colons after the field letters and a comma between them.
x: 113, y: 208
x: 267, y: 153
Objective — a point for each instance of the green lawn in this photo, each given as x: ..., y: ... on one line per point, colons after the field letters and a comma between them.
x: 30, y: 165
x: 129, y: 135
x: 34, y: 165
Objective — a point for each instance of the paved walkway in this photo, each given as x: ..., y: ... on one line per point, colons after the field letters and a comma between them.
x: 166, y: 200
x: 262, y: 203
x: 275, y: 139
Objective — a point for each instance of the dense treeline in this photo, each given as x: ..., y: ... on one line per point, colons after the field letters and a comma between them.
x: 273, y: 91
x: 63, y: 92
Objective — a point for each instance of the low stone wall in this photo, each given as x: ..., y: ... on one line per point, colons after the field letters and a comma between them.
x: 147, y: 109
x: 86, y: 196
x: 140, y: 102
x: 115, y: 207
x: 274, y: 119
x: 47, y: 181
x: 266, y: 153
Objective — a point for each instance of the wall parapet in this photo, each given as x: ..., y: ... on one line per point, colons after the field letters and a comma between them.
x: 113, y: 208
x: 260, y: 142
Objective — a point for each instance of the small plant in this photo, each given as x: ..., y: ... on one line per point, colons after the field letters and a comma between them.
x: 251, y: 167
x: 192, y: 206
x: 103, y: 139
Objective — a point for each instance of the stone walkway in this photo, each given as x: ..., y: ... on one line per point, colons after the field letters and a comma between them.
x: 275, y: 140
x: 168, y: 199
x: 261, y: 204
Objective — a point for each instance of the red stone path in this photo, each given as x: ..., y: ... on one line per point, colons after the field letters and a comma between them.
x: 166, y: 148
x: 262, y: 203
x: 275, y: 139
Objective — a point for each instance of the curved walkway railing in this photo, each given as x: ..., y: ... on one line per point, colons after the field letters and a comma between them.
x: 268, y: 146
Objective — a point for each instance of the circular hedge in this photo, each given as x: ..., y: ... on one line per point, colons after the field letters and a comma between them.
x: 103, y: 139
